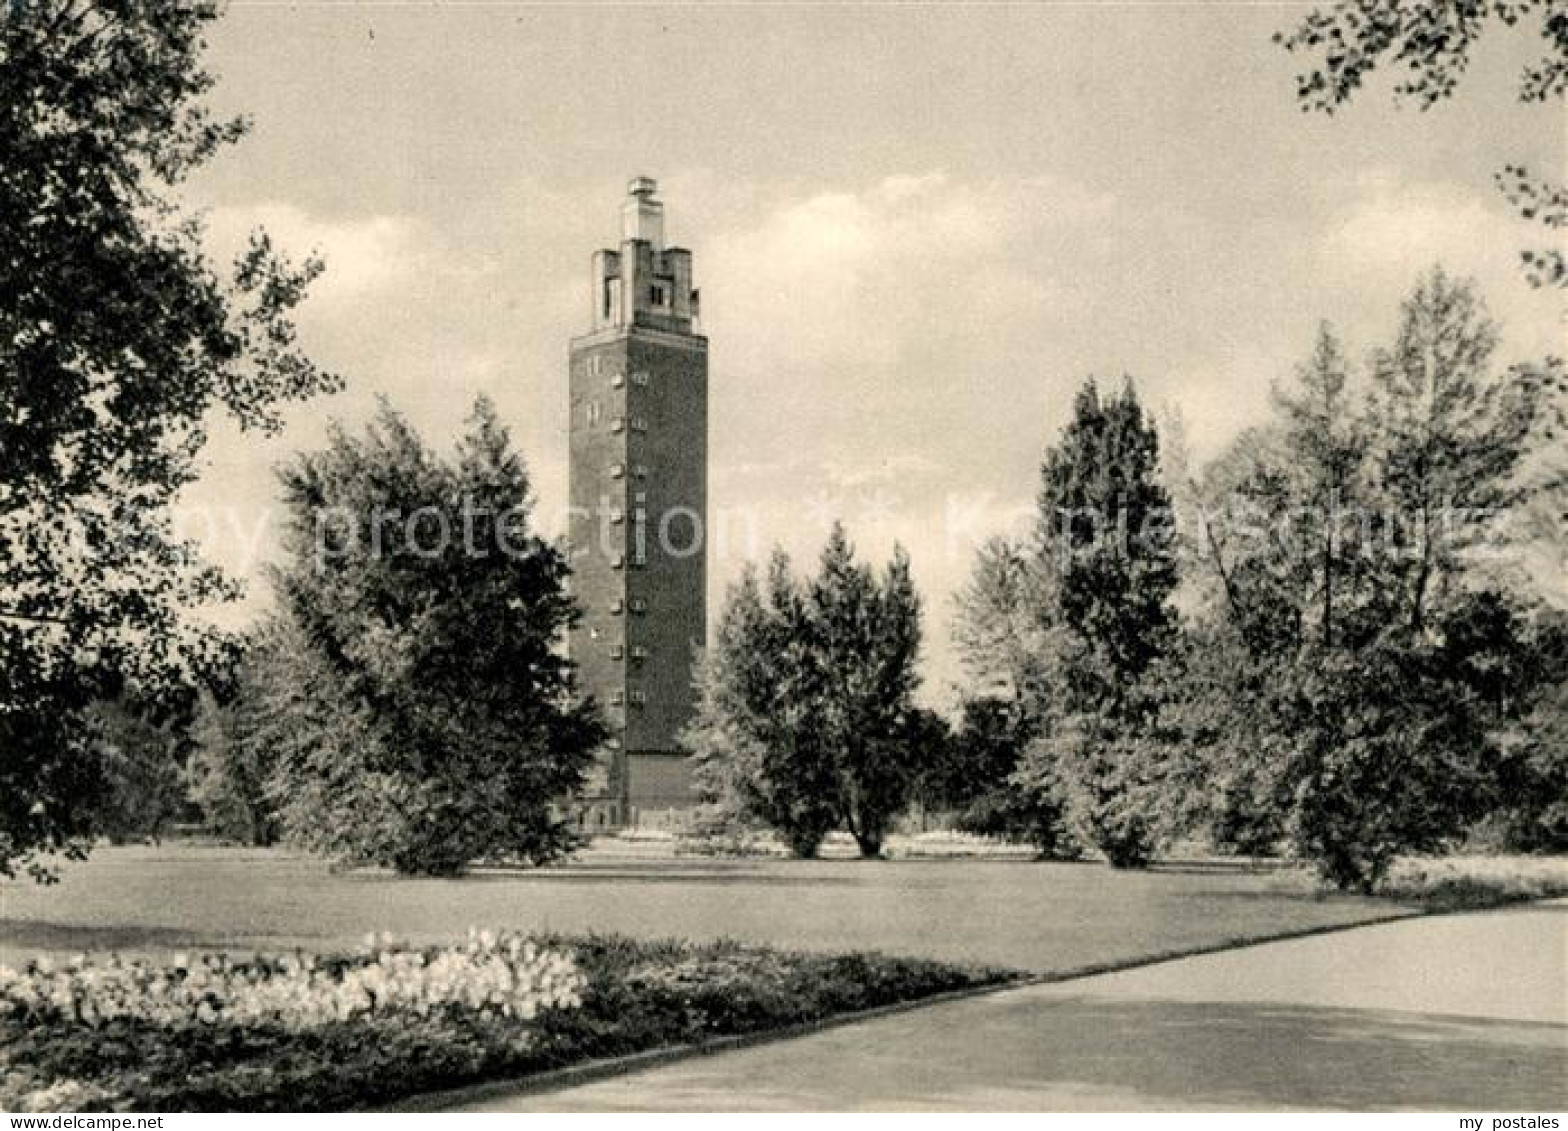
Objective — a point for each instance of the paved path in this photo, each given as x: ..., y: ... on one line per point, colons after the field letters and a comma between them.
x: 1465, y: 1012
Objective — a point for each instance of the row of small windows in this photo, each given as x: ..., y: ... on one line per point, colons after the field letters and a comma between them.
x: 638, y: 605
x: 618, y: 561
x: 637, y: 698
x: 618, y: 652
x: 618, y: 471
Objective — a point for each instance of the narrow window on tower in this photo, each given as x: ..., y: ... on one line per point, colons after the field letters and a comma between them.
x: 640, y: 471
x: 595, y: 412
x: 617, y: 697
x: 617, y: 517
x: 639, y: 424
x: 640, y: 377
x: 609, y: 299
x: 639, y: 698
x: 617, y: 471
x: 617, y: 561
x: 617, y: 605
x: 617, y: 380
x: 656, y: 295
x: 618, y: 424
x: 617, y: 651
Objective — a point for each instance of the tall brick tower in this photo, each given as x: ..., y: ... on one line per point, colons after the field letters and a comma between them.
x: 639, y: 468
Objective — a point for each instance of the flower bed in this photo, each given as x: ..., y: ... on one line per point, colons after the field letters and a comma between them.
x: 301, y: 1032
x: 1457, y: 883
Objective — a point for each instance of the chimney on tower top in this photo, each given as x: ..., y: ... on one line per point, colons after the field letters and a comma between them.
x: 642, y: 217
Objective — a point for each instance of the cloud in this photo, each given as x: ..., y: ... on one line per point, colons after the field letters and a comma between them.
x: 867, y: 278
x: 1392, y: 230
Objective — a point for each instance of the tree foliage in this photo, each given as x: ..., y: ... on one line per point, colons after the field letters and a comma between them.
x: 1108, y: 548
x: 1058, y: 636
x: 429, y: 719
x: 117, y: 339
x: 973, y: 780
x: 1358, y: 673
x: 999, y: 627
x: 806, y: 720
x: 1010, y: 649
x: 1107, y: 540
x: 241, y: 728
x: 1431, y: 41
x: 756, y: 755
x: 142, y: 757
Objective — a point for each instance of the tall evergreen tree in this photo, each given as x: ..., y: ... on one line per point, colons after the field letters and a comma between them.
x: 1325, y: 452
x: 1108, y: 548
x: 757, y: 756
x: 436, y: 724
x: 864, y: 643
x: 806, y: 720
x: 1107, y: 539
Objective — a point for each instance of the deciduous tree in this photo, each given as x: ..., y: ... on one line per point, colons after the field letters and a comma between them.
x: 118, y: 339
x: 1432, y: 41
x: 1380, y: 678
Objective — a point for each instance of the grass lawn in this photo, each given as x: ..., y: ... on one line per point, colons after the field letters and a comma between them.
x: 1045, y: 918
x: 807, y: 932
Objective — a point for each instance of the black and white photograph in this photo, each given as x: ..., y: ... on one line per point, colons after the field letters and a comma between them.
x: 885, y: 556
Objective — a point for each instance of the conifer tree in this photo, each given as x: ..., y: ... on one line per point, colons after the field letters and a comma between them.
x: 435, y: 722
x: 864, y: 642
x: 1107, y: 541
x: 757, y: 757
x: 806, y: 718
x: 1325, y: 451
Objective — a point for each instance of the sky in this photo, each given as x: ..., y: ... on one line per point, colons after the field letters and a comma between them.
x: 917, y: 229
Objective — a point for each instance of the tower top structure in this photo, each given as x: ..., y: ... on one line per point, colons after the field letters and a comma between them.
x: 643, y: 283
x: 642, y: 216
